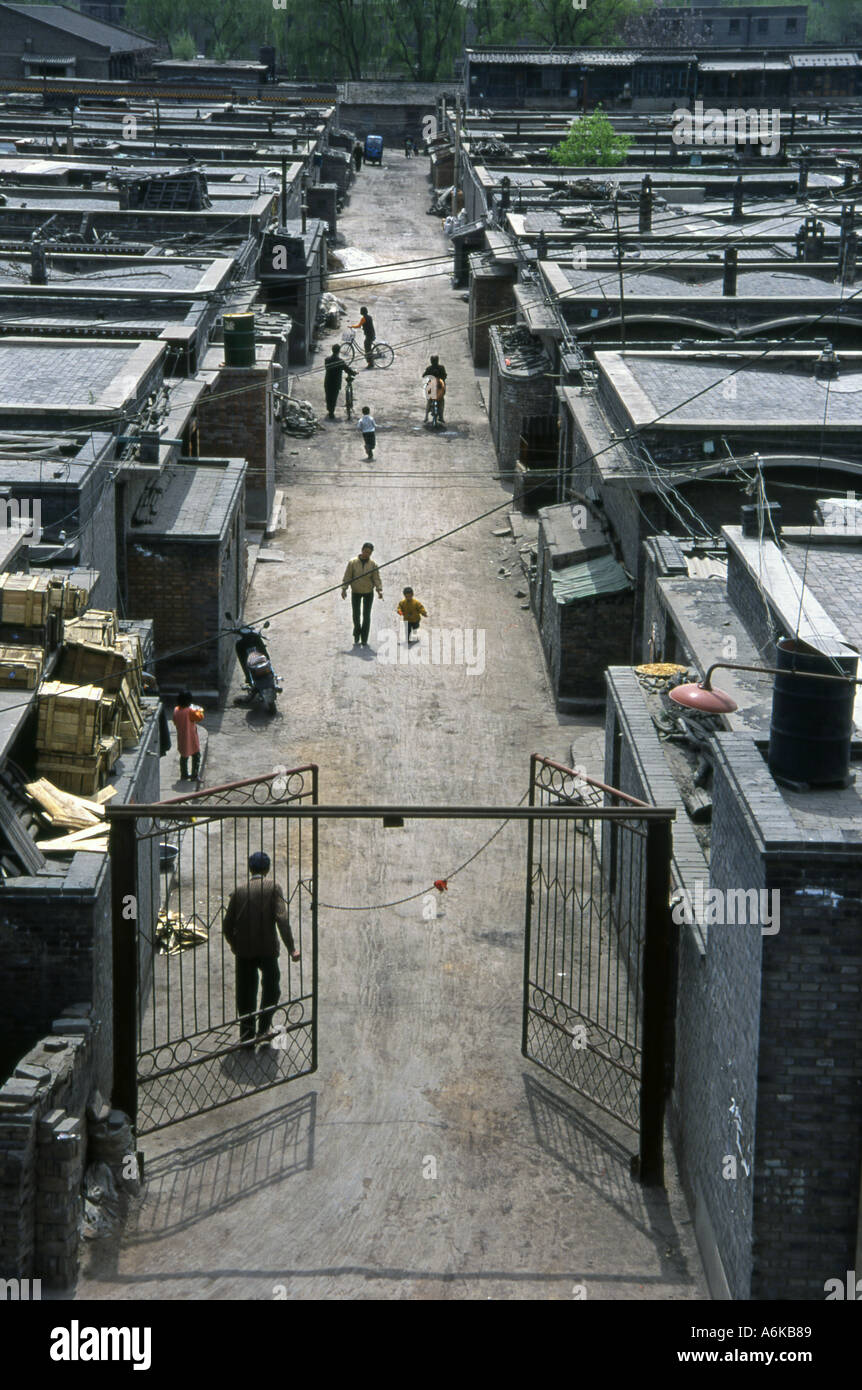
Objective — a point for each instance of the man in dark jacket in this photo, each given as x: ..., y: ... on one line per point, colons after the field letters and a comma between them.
x: 332, y: 376
x: 253, y: 912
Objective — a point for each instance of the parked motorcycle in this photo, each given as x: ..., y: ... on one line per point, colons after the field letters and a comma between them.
x: 261, y: 681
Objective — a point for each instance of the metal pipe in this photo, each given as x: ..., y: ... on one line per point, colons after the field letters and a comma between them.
x: 773, y: 671
x: 564, y: 811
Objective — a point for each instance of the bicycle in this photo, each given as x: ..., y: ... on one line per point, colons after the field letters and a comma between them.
x: 348, y: 397
x: 382, y: 354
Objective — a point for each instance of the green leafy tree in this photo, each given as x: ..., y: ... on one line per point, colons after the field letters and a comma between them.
x: 834, y: 21
x: 558, y: 23
x: 425, y: 35
x: 159, y: 19
x: 591, y: 140
x: 183, y: 46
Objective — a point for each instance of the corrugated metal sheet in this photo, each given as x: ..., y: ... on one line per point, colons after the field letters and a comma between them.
x: 603, y: 575
x: 705, y: 567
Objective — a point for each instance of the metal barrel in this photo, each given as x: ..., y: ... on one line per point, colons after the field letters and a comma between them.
x: 239, y: 348
x: 812, y: 720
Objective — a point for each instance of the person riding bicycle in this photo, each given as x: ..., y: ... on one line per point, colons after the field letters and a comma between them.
x: 438, y: 371
x: 335, y: 369
x: 366, y: 323
x: 435, y: 390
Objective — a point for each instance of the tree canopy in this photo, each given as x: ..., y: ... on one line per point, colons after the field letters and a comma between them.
x: 591, y: 140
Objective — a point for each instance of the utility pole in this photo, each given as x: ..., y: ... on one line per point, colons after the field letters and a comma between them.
x: 620, y: 267
x: 457, y: 167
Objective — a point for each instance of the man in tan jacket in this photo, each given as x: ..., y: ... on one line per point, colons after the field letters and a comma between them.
x: 363, y: 576
x: 253, y: 912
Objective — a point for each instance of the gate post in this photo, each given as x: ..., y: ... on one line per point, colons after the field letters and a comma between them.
x: 657, y: 995
x: 528, y: 913
x: 125, y: 965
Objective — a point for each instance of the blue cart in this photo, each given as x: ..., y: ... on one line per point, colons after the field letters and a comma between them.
x: 374, y: 149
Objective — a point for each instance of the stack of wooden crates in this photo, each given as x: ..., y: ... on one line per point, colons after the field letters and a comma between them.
x: 92, y: 711
x: 30, y: 607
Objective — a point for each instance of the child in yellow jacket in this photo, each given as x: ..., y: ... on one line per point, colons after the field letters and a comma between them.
x: 412, y: 612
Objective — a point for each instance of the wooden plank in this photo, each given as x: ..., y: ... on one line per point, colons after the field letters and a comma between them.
x: 68, y: 846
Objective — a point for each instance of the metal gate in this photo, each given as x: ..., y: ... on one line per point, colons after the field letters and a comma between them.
x: 176, y: 1027
x: 597, y: 952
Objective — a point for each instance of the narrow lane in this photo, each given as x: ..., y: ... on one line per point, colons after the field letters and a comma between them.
x: 426, y: 1158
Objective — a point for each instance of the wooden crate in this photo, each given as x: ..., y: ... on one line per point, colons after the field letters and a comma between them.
x: 129, y: 643
x: 69, y: 718
x: 85, y: 661
x: 68, y: 599
x: 97, y: 625
x: 20, y: 667
x: 110, y: 749
x: 72, y: 772
x: 24, y: 599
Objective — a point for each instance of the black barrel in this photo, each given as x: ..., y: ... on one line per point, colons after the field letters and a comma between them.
x: 812, y: 720
x: 239, y: 340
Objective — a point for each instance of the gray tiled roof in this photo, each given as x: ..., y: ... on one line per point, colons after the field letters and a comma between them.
x: 77, y: 25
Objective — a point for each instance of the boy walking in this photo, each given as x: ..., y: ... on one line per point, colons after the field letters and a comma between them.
x: 369, y: 430
x: 412, y: 612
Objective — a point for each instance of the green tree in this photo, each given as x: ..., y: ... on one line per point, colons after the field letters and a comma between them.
x: 425, y: 36
x: 591, y: 140
x: 558, y: 23
x: 183, y: 46
x: 834, y: 21
x: 158, y: 19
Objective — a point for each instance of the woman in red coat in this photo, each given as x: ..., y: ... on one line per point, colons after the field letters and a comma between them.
x: 186, y: 718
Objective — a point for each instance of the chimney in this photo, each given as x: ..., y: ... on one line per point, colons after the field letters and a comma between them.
x: 38, y: 269
x: 505, y: 191
x: 847, y: 262
x: 304, y: 211
x: 802, y: 185
x: 730, y: 271
x: 737, y: 200
x: 755, y: 516
x: 826, y: 366
x: 645, y: 205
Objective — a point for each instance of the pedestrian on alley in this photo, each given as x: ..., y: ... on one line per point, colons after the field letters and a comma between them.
x: 369, y: 430
x: 357, y: 156
x: 186, y: 719
x: 366, y: 323
x: 334, y: 370
x: 254, y: 911
x: 411, y: 610
x: 363, y: 576
x: 436, y: 369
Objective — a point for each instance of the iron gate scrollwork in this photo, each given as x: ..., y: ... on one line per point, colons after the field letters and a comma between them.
x: 597, y: 953
x: 177, y: 1047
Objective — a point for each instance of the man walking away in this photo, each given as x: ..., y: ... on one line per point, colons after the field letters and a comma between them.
x: 363, y: 577
x: 332, y: 376
x: 368, y: 428
x: 357, y: 156
x: 437, y: 370
x: 253, y: 912
x: 366, y: 323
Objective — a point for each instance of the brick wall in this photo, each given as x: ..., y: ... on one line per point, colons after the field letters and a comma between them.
x: 809, y: 1140
x: 492, y: 300
x: 716, y: 1010
x: 582, y: 640
x: 55, y: 931
x: 769, y: 1023
x: 235, y: 420
x: 188, y: 586
x: 512, y: 398
x: 43, y: 1153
